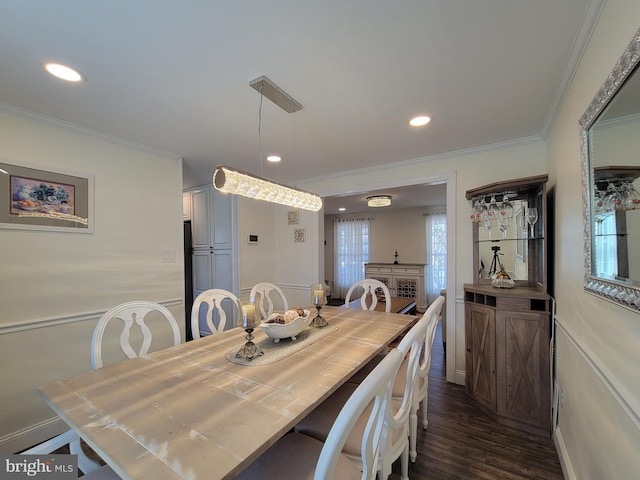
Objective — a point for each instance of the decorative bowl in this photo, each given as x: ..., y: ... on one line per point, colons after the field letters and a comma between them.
x: 278, y: 331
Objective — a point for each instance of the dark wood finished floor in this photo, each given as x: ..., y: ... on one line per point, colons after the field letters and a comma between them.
x: 463, y: 443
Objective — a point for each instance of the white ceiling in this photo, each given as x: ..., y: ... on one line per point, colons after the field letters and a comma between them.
x: 175, y: 75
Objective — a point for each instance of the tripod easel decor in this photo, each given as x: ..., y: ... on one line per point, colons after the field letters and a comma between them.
x: 495, y: 263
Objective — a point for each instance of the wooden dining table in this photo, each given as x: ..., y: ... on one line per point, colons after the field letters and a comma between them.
x: 187, y: 412
x: 398, y: 305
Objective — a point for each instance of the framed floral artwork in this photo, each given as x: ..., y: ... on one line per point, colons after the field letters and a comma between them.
x: 35, y: 199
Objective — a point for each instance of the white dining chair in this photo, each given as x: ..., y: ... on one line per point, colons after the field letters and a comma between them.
x: 396, y: 436
x: 297, y: 456
x: 91, y: 470
x: 370, y: 287
x: 422, y: 384
x: 210, y: 305
x: 263, y: 294
x: 129, y: 313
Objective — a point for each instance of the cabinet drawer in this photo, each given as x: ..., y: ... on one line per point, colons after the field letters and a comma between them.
x: 413, y: 271
x: 378, y: 270
x: 518, y: 304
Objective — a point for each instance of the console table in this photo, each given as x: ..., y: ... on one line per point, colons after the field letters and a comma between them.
x: 405, y: 280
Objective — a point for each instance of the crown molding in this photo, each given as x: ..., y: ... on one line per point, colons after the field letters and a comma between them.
x: 10, y: 109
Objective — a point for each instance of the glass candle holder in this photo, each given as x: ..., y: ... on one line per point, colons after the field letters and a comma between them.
x: 318, y: 299
x: 248, y: 321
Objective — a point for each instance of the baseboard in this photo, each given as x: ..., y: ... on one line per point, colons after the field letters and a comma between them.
x: 32, y: 435
x: 565, y: 463
x: 460, y: 377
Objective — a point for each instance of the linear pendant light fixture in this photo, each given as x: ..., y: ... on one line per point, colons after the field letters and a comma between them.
x: 229, y: 180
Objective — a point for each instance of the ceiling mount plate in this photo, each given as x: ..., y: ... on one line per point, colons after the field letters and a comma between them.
x: 275, y: 94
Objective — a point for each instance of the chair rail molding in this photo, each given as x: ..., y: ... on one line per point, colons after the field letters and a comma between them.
x: 622, y: 397
x: 61, y: 320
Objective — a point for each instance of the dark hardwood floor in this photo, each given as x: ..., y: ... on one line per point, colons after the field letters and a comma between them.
x: 463, y: 443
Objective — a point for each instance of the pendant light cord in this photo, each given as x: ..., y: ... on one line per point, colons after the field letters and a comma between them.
x: 260, y: 128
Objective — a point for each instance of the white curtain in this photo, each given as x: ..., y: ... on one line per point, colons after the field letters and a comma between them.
x: 436, y: 226
x: 606, y: 244
x: 351, y: 252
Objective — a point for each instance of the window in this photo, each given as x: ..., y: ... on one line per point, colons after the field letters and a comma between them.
x: 436, y: 226
x: 351, y: 244
x: 606, y: 243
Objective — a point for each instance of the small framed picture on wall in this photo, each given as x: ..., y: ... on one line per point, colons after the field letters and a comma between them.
x: 292, y: 217
x: 299, y: 235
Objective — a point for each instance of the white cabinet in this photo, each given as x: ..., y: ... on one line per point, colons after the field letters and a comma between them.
x: 214, y: 227
x: 406, y: 280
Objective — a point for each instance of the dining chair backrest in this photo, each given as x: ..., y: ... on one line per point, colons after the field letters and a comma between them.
x: 213, y: 305
x: 376, y: 390
x: 369, y: 297
x: 261, y: 294
x: 396, y: 445
x: 129, y: 313
x: 432, y: 316
x: 85, y: 464
x: 433, y: 312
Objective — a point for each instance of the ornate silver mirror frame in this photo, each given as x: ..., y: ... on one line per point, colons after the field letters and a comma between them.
x: 626, y: 294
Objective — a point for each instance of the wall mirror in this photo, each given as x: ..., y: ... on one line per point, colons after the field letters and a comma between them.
x: 610, y: 150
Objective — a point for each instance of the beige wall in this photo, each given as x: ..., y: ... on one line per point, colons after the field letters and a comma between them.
x: 54, y: 285
x: 597, y: 342
x: 278, y: 258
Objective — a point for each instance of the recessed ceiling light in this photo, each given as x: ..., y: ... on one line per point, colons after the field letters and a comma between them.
x: 419, y: 121
x: 63, y: 72
x: 273, y: 158
x: 341, y: 209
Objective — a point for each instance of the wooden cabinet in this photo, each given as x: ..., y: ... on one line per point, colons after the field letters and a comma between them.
x: 405, y: 280
x: 507, y: 355
x: 214, y: 230
x: 507, y: 330
x: 480, y: 355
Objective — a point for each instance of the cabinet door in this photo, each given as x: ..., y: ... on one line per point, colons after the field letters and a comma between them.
x: 186, y: 206
x: 408, y: 287
x: 480, y: 330
x: 222, y: 215
x: 523, y: 380
x: 222, y: 266
x: 202, y: 271
x: 200, y: 218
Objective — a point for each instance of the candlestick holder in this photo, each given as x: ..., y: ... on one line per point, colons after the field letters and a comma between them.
x: 318, y: 299
x: 249, y: 350
x: 248, y: 318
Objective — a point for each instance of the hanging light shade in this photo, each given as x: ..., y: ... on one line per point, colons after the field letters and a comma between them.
x: 379, y: 201
x: 229, y: 180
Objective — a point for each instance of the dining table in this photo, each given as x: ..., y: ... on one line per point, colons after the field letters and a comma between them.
x: 192, y: 411
x: 398, y: 305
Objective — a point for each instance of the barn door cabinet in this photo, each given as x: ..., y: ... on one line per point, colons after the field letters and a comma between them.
x: 507, y: 355
x: 507, y: 331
